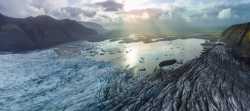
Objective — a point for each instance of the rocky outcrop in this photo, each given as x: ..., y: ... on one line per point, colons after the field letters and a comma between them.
x: 237, y: 37
x: 40, y: 32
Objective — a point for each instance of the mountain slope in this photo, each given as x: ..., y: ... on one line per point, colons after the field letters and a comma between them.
x: 40, y: 32
x: 94, y: 26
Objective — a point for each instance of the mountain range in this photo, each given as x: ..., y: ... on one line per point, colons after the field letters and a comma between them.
x: 41, y: 32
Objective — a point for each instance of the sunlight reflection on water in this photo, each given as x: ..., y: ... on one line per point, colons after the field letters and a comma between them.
x: 131, y: 56
x: 147, y: 56
x: 144, y: 57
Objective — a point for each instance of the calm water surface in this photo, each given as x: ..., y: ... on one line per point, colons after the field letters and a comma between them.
x: 139, y: 56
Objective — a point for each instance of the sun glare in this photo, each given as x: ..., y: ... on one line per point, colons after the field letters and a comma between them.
x: 136, y: 17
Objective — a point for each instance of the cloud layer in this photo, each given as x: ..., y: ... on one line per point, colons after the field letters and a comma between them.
x: 178, y: 12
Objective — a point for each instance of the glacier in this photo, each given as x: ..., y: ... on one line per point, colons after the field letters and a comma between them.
x: 43, y: 81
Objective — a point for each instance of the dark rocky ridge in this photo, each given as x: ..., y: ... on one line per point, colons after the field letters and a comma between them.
x: 40, y: 32
x: 217, y: 81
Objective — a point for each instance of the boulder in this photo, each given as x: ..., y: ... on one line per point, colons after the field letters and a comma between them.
x: 167, y: 62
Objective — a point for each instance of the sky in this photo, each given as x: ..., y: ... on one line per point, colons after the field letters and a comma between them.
x: 136, y: 14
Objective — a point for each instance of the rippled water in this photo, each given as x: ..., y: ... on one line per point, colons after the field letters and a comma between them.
x: 73, y: 76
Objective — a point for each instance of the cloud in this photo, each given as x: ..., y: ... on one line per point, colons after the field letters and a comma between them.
x: 72, y: 13
x: 48, y: 5
x: 225, y: 14
x: 141, y: 14
x: 110, y: 5
x: 14, y: 9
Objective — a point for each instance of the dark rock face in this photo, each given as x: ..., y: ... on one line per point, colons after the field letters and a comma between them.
x: 237, y: 37
x: 213, y: 82
x: 40, y: 32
